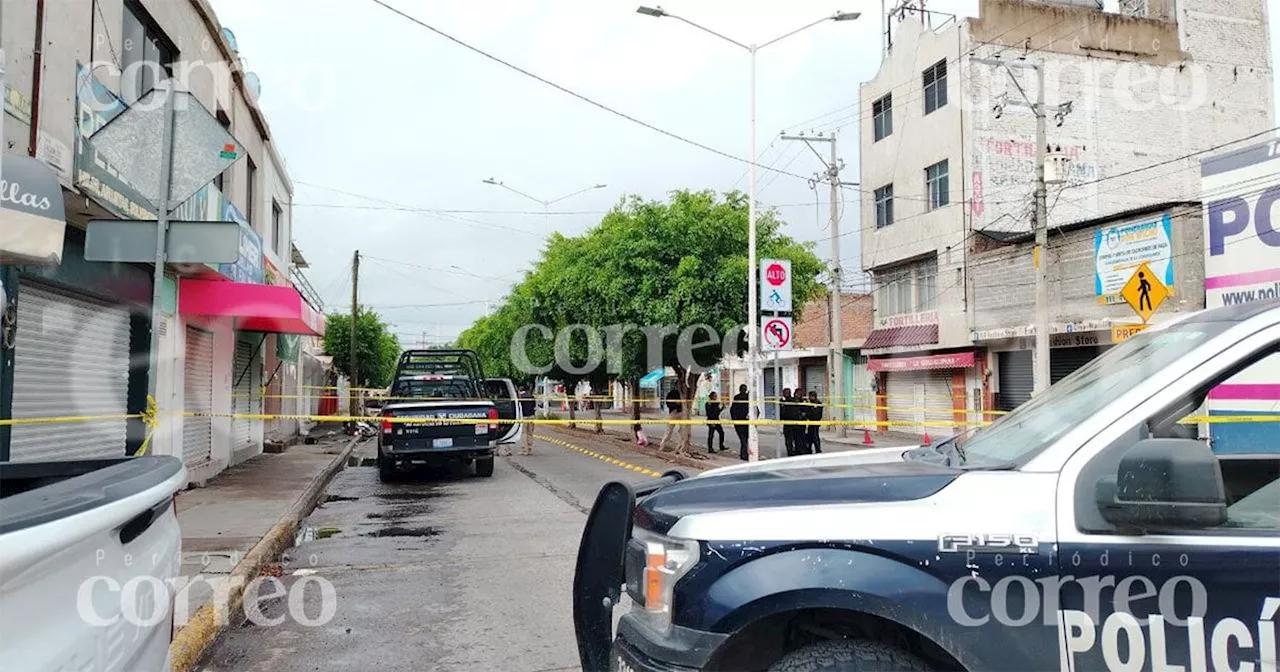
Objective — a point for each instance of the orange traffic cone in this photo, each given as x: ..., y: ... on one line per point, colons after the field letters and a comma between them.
x: 927, y: 441
x: 866, y: 438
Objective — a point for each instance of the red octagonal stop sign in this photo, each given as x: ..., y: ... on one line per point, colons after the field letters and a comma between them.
x: 775, y: 274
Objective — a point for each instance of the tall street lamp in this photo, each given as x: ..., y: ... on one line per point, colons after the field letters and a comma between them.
x: 753, y: 333
x: 546, y: 205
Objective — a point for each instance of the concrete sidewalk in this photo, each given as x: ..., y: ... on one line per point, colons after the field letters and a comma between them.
x: 238, y: 523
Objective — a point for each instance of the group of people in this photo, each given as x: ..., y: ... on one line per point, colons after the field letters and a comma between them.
x: 794, y: 409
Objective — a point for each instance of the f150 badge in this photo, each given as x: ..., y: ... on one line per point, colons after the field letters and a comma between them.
x: 1026, y: 544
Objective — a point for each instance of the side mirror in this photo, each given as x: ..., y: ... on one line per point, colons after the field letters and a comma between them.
x: 1165, y: 484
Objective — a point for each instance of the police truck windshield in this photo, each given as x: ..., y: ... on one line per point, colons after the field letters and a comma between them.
x: 1037, y: 424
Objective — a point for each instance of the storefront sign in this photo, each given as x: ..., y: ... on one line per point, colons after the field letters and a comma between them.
x: 1026, y: 330
x: 1077, y: 340
x: 17, y: 104
x: 907, y: 320
x: 959, y: 360
x: 32, y: 216
x: 1118, y: 250
x: 248, y: 268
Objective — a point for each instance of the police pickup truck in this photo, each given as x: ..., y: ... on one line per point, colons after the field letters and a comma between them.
x: 1095, y: 527
x: 441, y: 410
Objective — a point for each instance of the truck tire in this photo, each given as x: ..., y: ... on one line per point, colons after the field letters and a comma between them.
x: 484, y: 466
x: 845, y: 655
x: 386, y: 468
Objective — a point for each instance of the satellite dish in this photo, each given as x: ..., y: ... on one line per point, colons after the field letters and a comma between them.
x: 231, y: 37
x: 254, y: 84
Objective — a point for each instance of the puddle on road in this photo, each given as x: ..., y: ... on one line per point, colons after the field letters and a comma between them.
x: 408, y: 496
x: 395, y: 531
x: 400, y: 512
x: 339, y: 498
x: 362, y: 461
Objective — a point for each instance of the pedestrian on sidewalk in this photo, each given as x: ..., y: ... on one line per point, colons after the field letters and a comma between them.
x: 712, y: 410
x: 738, y: 411
x: 813, y: 439
x: 674, y: 404
x: 787, y: 414
x: 528, y: 407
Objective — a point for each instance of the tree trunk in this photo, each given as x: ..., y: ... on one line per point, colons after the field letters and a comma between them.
x: 572, y: 402
x: 599, y: 425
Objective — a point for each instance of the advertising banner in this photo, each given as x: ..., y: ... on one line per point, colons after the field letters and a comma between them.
x: 1119, y: 250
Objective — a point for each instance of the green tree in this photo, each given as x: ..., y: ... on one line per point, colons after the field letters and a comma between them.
x: 377, y: 348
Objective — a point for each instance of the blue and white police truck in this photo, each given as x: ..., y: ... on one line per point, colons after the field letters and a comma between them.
x: 1092, y: 528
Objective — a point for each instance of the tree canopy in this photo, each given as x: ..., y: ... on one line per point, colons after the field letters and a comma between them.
x: 377, y: 348
x: 664, y: 267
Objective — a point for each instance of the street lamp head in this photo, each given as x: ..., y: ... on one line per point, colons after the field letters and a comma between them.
x: 600, y: 186
x: 491, y: 181
x: 846, y: 16
x: 651, y: 11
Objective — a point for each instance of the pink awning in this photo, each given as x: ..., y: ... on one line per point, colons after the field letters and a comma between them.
x: 264, y: 308
x: 955, y: 360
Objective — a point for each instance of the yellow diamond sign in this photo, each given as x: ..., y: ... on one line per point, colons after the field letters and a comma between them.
x: 1144, y: 292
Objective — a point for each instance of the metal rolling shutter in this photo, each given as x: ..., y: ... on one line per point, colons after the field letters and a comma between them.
x: 71, y: 357
x: 938, y: 399
x: 1017, y: 379
x: 771, y: 393
x: 815, y: 379
x: 905, y: 390
x: 1064, y: 361
x: 242, y: 394
x: 197, y: 385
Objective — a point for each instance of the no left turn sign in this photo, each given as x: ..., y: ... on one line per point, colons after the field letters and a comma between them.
x: 776, y: 334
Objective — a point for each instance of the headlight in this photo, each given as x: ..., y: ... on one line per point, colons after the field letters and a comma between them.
x: 666, y: 561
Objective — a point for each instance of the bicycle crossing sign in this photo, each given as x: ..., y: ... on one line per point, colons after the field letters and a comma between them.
x: 1144, y: 292
x: 775, y: 334
x: 775, y: 285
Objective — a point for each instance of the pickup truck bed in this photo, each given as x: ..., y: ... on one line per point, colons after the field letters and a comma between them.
x: 89, y: 554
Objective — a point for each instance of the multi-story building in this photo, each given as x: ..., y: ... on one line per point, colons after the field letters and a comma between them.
x: 80, y: 331
x: 948, y: 158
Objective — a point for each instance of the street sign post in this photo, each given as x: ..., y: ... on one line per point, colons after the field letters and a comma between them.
x: 775, y: 286
x: 1144, y: 292
x: 775, y: 334
x: 168, y: 152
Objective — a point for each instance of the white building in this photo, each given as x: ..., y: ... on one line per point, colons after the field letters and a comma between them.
x: 82, y: 328
x: 945, y: 170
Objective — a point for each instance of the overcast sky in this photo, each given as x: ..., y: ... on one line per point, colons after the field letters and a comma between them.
x: 363, y: 101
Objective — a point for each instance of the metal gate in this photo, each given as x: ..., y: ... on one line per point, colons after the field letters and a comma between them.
x: 906, y: 391
x: 815, y: 379
x: 197, y: 387
x: 771, y: 393
x: 1017, y: 379
x: 1064, y: 361
x: 71, y: 358
x: 244, y: 398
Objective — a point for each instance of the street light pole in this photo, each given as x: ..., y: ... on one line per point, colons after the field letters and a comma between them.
x: 753, y: 309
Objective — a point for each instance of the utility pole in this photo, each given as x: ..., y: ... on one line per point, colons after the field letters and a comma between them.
x: 835, y: 354
x: 355, y: 311
x: 1041, y: 112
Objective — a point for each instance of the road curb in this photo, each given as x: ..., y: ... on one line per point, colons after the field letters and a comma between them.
x: 190, y: 642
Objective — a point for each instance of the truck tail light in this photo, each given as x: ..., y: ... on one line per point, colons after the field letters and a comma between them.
x: 386, y: 424
x: 493, y: 419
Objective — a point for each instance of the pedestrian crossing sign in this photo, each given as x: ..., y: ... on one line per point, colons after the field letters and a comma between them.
x: 1144, y: 292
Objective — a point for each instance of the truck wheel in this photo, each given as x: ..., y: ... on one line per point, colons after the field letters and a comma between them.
x: 484, y: 466
x: 386, y: 468
x: 850, y: 656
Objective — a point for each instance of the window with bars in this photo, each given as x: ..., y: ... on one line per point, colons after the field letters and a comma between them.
x: 882, y: 114
x: 927, y: 285
x: 937, y: 180
x: 884, y: 206
x: 935, y: 86
x: 911, y: 288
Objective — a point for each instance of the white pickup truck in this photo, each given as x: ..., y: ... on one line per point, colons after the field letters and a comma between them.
x: 89, y: 553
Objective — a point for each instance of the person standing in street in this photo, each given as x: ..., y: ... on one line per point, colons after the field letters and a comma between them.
x: 528, y: 408
x: 674, y: 404
x: 712, y: 410
x: 787, y: 414
x: 813, y: 441
x: 738, y: 411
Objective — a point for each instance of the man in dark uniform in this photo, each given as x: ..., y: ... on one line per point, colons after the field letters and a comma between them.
x: 738, y: 411
x: 712, y: 410
x: 787, y: 414
x: 813, y: 442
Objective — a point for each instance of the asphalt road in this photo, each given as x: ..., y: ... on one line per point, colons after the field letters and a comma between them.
x: 438, y: 572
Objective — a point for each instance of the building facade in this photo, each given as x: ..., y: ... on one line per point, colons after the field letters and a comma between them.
x: 80, y: 330
x: 948, y: 158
